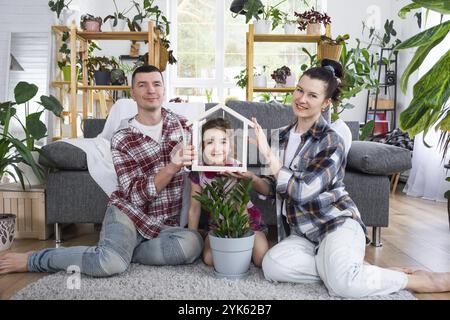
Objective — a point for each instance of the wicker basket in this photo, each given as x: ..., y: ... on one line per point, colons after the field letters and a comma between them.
x: 329, y: 51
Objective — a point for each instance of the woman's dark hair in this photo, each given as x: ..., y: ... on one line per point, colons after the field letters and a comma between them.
x: 216, y: 123
x: 145, y: 69
x: 330, y: 72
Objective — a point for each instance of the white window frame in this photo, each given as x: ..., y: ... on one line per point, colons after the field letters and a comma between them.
x: 216, y: 83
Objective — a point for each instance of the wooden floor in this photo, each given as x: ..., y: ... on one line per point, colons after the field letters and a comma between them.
x: 418, y: 236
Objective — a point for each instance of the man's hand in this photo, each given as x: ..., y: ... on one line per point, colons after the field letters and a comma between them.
x: 181, y: 156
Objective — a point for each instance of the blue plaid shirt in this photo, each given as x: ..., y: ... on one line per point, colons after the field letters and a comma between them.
x: 311, y: 188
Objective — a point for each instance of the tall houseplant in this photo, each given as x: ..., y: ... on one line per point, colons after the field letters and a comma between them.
x: 18, y: 149
x: 429, y: 107
x: 231, y: 237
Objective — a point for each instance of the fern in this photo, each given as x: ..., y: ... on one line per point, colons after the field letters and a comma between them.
x: 227, y: 205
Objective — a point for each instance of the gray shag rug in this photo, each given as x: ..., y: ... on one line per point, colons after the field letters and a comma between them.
x: 189, y: 282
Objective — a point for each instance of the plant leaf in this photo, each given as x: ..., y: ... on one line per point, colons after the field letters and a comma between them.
x: 52, y: 104
x: 24, y: 92
x: 441, y: 6
x: 416, y: 61
x: 425, y: 37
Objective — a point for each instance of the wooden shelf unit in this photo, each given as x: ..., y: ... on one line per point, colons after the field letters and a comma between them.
x: 250, y: 43
x: 152, y: 36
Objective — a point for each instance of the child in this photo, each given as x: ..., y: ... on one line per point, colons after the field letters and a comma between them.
x: 216, y: 152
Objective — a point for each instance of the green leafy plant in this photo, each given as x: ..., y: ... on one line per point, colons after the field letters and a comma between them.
x: 337, y: 41
x: 429, y: 107
x: 382, y: 41
x: 256, y: 9
x: 227, y: 206
x: 359, y: 76
x: 242, y: 77
x: 310, y: 17
x: 88, y: 17
x: 117, y: 15
x: 17, y: 149
x: 280, y: 75
x: 208, y: 94
x: 313, y: 60
x: 58, y: 6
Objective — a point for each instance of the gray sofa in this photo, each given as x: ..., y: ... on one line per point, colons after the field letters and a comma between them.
x: 72, y: 196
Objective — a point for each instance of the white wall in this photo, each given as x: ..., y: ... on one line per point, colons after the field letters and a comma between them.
x: 347, y: 16
x: 19, y: 16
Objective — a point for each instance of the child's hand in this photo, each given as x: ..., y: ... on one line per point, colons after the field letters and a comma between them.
x: 239, y: 175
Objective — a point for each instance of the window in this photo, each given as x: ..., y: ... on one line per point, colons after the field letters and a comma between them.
x: 210, y: 48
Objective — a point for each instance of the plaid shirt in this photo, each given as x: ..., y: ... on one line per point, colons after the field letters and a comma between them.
x: 311, y: 189
x: 137, y: 159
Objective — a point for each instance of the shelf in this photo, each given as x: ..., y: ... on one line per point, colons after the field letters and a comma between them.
x: 288, y: 89
x: 104, y: 87
x: 285, y: 38
x: 122, y: 35
x: 60, y: 84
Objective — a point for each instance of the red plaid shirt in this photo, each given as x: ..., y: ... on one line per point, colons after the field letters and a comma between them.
x: 137, y: 159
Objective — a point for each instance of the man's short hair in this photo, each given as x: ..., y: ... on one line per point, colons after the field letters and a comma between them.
x: 145, y: 69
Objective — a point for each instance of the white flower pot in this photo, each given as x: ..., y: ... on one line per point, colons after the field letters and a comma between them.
x: 119, y: 27
x: 260, y: 81
x: 262, y: 26
x: 290, y: 28
x: 7, y: 230
x: 67, y: 16
x: 232, y: 256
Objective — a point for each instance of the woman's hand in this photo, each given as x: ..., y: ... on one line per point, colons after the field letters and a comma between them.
x: 261, y: 139
x: 263, y: 146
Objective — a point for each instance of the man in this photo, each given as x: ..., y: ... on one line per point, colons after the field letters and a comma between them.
x: 142, y: 218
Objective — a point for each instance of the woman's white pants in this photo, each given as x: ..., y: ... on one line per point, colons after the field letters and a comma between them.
x: 338, y: 263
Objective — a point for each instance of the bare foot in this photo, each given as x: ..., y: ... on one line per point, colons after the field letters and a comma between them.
x: 425, y: 281
x: 407, y: 270
x: 14, y: 262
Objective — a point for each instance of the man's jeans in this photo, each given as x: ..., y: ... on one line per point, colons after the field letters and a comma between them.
x: 119, y: 245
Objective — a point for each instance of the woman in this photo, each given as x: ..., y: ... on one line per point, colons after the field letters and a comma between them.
x: 327, y: 236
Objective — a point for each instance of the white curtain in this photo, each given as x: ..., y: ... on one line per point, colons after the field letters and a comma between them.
x: 427, y: 177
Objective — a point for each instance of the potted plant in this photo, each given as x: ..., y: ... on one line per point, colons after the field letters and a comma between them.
x: 311, y: 21
x: 289, y: 24
x: 264, y: 16
x: 429, y: 107
x: 99, y: 68
x: 231, y: 238
x: 331, y: 48
x: 117, y: 19
x: 283, y: 77
x: 259, y: 78
x: 64, y: 14
x: 90, y: 23
x: 16, y: 149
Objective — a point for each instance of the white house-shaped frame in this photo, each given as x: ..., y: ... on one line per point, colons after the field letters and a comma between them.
x: 197, y: 140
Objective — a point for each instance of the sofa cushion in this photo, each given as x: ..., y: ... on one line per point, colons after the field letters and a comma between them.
x: 378, y: 158
x: 62, y: 155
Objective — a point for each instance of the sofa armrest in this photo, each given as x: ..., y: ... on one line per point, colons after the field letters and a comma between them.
x: 63, y: 156
x: 378, y: 158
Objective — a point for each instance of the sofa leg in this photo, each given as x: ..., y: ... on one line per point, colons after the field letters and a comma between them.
x: 376, y: 237
x: 58, y: 240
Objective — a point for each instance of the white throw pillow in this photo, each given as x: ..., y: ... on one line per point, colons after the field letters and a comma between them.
x: 341, y: 128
